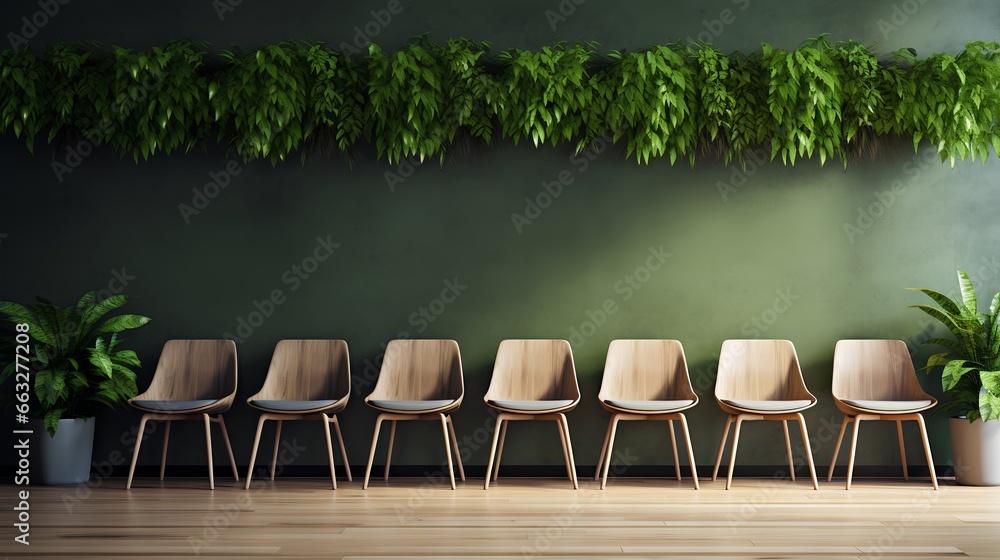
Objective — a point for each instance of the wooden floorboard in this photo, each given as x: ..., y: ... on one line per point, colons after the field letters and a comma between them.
x: 515, y: 518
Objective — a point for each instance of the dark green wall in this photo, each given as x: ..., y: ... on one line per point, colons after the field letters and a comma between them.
x: 737, y: 241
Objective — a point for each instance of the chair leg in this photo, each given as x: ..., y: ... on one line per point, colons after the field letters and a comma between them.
x: 562, y: 440
x: 609, y: 452
x: 371, y: 454
x: 836, y: 449
x: 329, y: 450
x: 447, y: 450
x: 343, y: 451
x: 854, y: 448
x: 256, y: 444
x: 732, y: 454
x: 902, y: 449
x: 163, y: 457
x: 673, y: 446
x: 604, y: 449
x: 277, y: 442
x: 503, y: 438
x: 388, y: 454
x: 493, y: 451
x: 808, y: 449
x: 690, y: 450
x: 229, y: 448
x: 722, y: 447
x: 458, y: 453
x: 927, y: 450
x: 569, y: 452
x: 788, y: 451
x: 208, y: 446
x: 135, y: 452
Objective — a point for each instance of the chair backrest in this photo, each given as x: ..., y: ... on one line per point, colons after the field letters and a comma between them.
x: 760, y: 370
x: 648, y: 370
x: 878, y: 370
x: 304, y: 370
x: 534, y: 370
x: 194, y: 370
x: 420, y: 370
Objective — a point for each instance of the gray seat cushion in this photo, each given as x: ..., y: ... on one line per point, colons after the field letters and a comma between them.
x: 174, y: 406
x: 651, y: 406
x: 889, y: 406
x: 293, y: 406
x: 532, y: 406
x: 411, y: 406
x: 767, y: 406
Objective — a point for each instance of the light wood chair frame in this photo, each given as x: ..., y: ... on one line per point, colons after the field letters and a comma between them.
x: 505, y: 385
x: 293, y: 375
x: 170, y: 377
x: 392, y: 386
x: 646, y: 370
x: 777, y: 369
x: 894, y: 373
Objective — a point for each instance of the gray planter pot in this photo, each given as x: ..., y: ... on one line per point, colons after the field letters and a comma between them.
x: 65, y: 458
x: 975, y: 449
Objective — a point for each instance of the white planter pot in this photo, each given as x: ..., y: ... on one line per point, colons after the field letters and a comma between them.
x: 64, y: 458
x: 975, y: 449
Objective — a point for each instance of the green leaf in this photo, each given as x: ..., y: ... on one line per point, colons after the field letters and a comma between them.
x: 991, y: 381
x: 101, y: 361
x: 52, y: 418
x: 968, y: 291
x: 123, y: 322
x: 989, y: 405
x: 953, y: 372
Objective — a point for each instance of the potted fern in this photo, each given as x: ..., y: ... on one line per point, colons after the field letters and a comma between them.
x: 75, y: 366
x: 970, y: 374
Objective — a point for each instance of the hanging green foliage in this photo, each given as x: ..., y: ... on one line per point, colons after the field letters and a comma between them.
x: 824, y: 100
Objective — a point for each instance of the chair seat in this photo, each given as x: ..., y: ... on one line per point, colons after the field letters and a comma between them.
x: 532, y: 406
x: 412, y: 406
x: 174, y: 406
x: 889, y: 406
x: 768, y: 406
x: 293, y: 406
x: 650, y: 406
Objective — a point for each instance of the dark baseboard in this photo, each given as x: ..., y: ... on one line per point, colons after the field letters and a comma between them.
x: 535, y: 471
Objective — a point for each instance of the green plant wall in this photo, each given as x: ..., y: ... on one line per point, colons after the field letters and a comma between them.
x: 536, y: 241
x: 824, y: 99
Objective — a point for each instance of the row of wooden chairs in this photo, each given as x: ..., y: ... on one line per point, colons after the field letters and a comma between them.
x: 534, y: 380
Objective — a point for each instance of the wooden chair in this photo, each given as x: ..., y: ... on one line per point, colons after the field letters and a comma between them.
x: 762, y: 380
x: 307, y: 380
x: 532, y: 380
x: 194, y: 380
x: 875, y: 380
x: 419, y: 380
x: 646, y: 380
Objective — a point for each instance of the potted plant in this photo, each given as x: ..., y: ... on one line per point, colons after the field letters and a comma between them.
x: 75, y: 366
x: 971, y: 376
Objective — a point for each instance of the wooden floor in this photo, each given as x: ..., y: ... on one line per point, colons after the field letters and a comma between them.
x: 516, y: 518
